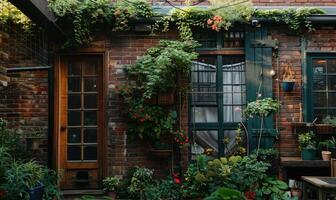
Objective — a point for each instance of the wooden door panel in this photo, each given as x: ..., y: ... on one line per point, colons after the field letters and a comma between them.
x: 80, y: 123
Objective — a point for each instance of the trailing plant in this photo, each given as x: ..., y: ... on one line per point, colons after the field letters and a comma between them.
x: 328, y: 144
x: 262, y: 107
x: 10, y: 15
x: 296, y: 19
x: 307, y: 140
x: 158, y: 71
x: 84, y: 15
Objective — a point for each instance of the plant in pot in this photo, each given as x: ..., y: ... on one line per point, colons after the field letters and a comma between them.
x: 328, y: 148
x: 288, y: 81
x: 307, y: 146
x: 328, y: 125
x: 111, y: 185
x: 23, y: 180
x: 261, y: 108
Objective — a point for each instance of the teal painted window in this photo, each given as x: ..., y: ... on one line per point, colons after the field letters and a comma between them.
x: 218, y: 96
x: 321, y: 87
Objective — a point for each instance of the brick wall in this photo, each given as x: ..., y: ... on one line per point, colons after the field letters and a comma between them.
x: 123, y: 152
x: 24, y: 102
x: 294, y: 2
x: 323, y: 39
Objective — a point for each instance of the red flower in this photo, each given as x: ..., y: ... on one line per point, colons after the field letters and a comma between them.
x: 250, y: 195
x: 176, y: 179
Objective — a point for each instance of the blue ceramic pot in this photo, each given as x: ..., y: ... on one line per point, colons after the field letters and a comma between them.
x: 36, y: 193
x: 288, y: 86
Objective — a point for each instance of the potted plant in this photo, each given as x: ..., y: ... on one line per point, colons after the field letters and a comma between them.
x: 307, y: 146
x: 261, y: 108
x: 329, y: 146
x: 161, y: 149
x: 327, y: 127
x: 110, y: 185
x: 288, y: 81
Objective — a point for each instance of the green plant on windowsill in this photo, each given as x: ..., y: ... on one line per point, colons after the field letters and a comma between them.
x: 307, y: 145
x: 330, y: 120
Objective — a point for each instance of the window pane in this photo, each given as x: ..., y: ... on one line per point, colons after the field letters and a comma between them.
x: 90, y: 135
x: 74, y: 118
x: 74, y: 135
x: 90, y: 85
x: 319, y: 83
x: 320, y: 114
x: 237, y: 113
x: 90, y: 152
x: 319, y: 66
x: 230, y: 136
x: 331, y: 65
x: 320, y: 99
x: 74, y: 69
x: 233, y: 39
x: 206, y: 142
x: 90, y: 118
x: 74, y: 152
x: 332, y: 99
x: 331, y: 82
x: 74, y: 84
x: 74, y: 101
x: 90, y: 101
x: 205, y: 114
x: 90, y: 69
x: 207, y: 39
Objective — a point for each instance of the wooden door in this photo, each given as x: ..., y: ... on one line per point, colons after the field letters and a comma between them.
x: 81, y: 122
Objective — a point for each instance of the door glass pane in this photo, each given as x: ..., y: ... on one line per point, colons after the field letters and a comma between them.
x: 90, y: 152
x: 206, y: 142
x: 90, y: 135
x: 90, y: 118
x: 90, y: 85
x: 74, y: 118
x: 331, y: 99
x: 320, y: 99
x: 74, y: 84
x: 74, y: 135
x: 74, y: 152
x: 74, y: 69
x: 205, y: 114
x: 231, y: 145
x: 89, y: 69
x: 90, y: 101
x: 74, y: 101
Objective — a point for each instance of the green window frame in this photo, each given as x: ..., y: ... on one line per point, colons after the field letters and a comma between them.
x: 218, y: 49
x: 320, y: 86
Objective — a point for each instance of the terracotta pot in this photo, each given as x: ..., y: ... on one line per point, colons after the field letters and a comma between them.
x: 296, y: 193
x: 326, y: 155
x: 112, y: 194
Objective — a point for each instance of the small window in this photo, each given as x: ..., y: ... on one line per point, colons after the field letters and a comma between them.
x: 322, y: 87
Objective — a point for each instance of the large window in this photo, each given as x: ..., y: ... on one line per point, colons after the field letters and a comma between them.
x: 218, y: 92
x: 321, y: 85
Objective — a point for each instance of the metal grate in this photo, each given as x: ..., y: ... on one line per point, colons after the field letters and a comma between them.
x: 27, y: 44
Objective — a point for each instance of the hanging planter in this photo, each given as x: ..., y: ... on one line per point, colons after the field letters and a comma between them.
x: 288, y: 81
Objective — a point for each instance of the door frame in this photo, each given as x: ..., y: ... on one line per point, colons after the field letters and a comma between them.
x: 59, y: 62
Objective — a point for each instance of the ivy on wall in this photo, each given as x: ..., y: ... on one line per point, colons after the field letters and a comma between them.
x: 10, y: 15
x: 85, y: 16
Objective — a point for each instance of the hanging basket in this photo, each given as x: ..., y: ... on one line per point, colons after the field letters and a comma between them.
x: 288, y: 85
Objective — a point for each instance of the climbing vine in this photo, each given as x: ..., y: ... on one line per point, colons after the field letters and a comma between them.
x: 160, y: 70
x: 86, y: 15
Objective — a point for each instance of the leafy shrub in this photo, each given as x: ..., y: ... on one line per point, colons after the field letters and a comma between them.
x: 141, y: 178
x: 225, y: 194
x: 307, y: 140
x: 272, y: 188
x: 10, y: 140
x: 111, y: 183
